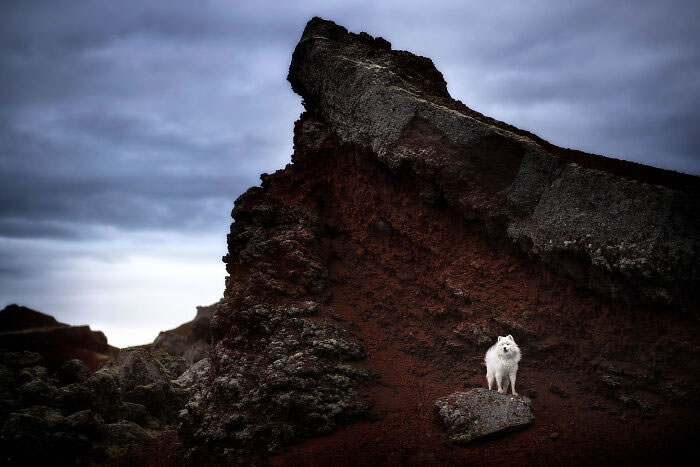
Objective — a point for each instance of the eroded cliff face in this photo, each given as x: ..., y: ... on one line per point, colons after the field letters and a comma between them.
x: 368, y: 278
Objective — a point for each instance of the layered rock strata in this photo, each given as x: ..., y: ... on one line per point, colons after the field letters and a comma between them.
x: 368, y: 277
x: 615, y: 234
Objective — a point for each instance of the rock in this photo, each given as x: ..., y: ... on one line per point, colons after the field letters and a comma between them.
x: 139, y: 367
x: 8, y: 382
x: 124, y: 433
x: 73, y: 371
x: 477, y: 334
x: 618, y: 228
x: 38, y: 392
x: 99, y: 392
x: 104, y: 393
x: 136, y: 413
x: 23, y: 329
x: 50, y: 416
x: 192, y: 340
x: 70, y: 448
x: 35, y: 373
x: 401, y: 202
x: 24, y: 439
x: 295, y: 386
x: 14, y: 318
x: 162, y: 400
x: 16, y: 360
x: 554, y: 389
x: 480, y: 412
x: 196, y: 373
x: 86, y: 422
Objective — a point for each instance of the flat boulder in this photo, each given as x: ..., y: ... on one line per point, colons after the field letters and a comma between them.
x: 480, y: 413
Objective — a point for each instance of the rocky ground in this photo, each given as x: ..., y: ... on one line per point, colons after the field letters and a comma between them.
x: 68, y: 398
x: 64, y: 415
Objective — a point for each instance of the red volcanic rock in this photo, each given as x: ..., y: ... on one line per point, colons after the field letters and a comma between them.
x: 24, y: 329
x: 367, y: 279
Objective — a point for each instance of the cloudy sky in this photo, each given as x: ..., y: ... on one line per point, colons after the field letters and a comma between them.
x: 127, y: 129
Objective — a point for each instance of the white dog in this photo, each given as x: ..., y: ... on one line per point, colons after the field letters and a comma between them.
x: 502, y: 364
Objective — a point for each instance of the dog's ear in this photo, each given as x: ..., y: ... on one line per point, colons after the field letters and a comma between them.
x: 510, y: 337
x: 500, y: 338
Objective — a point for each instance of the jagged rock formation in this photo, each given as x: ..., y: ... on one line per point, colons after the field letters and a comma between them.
x: 24, y: 329
x: 367, y: 278
x: 613, y: 234
x: 191, y: 340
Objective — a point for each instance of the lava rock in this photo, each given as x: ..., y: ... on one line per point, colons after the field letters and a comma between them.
x: 73, y: 371
x: 86, y: 422
x: 140, y: 367
x: 124, y: 433
x: 196, y: 373
x: 480, y: 412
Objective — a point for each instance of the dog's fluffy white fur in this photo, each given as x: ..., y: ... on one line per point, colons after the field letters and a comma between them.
x: 502, y: 364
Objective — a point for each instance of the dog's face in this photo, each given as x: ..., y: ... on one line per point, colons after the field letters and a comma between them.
x: 507, y: 346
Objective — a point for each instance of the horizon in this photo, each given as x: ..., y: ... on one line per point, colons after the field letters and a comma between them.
x: 126, y: 138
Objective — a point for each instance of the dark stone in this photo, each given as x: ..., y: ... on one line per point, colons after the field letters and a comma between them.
x: 196, y: 373
x: 16, y: 360
x: 615, y: 227
x: 124, y: 432
x: 554, y: 389
x: 73, y: 371
x: 86, y: 422
x: 38, y: 392
x: 480, y: 413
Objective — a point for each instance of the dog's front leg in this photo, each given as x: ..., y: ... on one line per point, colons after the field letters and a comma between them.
x: 512, y: 383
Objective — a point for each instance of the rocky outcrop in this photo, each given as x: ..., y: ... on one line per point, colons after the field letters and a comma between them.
x: 481, y: 413
x: 192, y: 340
x: 24, y: 329
x: 61, y: 414
x: 617, y: 235
x: 367, y: 279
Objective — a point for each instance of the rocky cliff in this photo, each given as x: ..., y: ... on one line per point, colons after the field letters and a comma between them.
x: 368, y: 277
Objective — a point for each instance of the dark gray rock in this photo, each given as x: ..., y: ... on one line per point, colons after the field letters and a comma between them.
x: 124, y: 433
x: 73, y: 371
x: 480, y: 412
x: 38, y: 392
x: 196, y: 373
x: 16, y: 360
x: 163, y: 400
x: 191, y: 341
x: 51, y: 417
x: 554, y: 389
x: 140, y: 367
x: 24, y: 438
x: 619, y: 228
x: 86, y: 422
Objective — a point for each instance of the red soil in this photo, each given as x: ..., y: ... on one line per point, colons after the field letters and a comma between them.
x: 391, y: 288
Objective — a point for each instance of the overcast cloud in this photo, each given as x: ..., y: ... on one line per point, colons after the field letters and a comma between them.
x: 127, y: 129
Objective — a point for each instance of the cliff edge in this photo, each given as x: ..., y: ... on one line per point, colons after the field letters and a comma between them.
x: 368, y: 277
